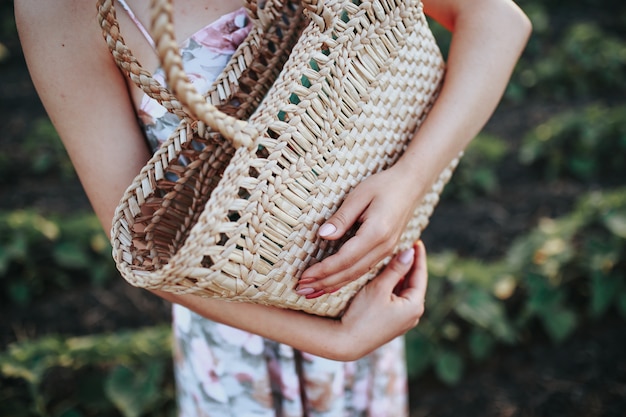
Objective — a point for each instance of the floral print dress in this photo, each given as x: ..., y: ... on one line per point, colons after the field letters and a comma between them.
x: 222, y: 371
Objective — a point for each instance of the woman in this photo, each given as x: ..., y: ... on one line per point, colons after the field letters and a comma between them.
x: 223, y: 370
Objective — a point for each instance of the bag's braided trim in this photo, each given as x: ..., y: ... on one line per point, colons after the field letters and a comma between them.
x: 154, y: 216
x: 356, y: 86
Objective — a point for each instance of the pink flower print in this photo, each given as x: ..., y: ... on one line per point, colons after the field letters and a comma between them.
x: 251, y: 343
x: 206, y: 370
x: 225, y: 34
x: 360, y: 394
x: 320, y: 393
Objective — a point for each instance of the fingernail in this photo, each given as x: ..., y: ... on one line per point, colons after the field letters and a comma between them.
x: 407, y: 256
x: 327, y: 229
x: 316, y: 294
x: 306, y: 281
x: 304, y: 291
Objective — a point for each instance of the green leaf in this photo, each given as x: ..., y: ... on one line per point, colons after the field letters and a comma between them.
x: 480, y: 308
x: 419, y: 352
x: 20, y: 293
x: 621, y: 304
x: 71, y: 413
x: 481, y: 344
x: 71, y: 255
x: 134, y: 391
x: 18, y: 247
x: 616, y: 223
x: 449, y: 366
x: 559, y: 323
x: 4, y: 260
x: 603, y: 290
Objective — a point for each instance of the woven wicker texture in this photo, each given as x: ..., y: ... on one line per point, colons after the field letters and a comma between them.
x: 354, y: 89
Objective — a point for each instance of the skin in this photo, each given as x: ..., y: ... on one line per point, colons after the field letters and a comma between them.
x: 92, y: 107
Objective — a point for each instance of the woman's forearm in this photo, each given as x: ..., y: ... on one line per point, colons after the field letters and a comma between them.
x: 380, y: 312
x: 488, y: 37
x: 317, y: 335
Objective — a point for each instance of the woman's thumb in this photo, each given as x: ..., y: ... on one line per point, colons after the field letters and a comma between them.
x: 397, y: 268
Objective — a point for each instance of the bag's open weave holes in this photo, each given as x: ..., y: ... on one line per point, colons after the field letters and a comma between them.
x: 239, y: 221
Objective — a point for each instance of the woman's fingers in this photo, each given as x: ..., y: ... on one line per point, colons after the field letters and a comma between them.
x: 396, y: 271
x: 416, y: 283
x: 355, y: 258
x: 345, y: 217
x: 377, y: 311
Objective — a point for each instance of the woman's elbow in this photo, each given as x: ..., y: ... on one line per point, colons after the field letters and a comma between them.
x: 518, y: 23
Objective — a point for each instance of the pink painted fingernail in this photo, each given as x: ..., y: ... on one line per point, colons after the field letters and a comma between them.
x: 327, y: 229
x: 304, y: 290
x: 407, y: 256
x: 316, y: 294
x: 306, y: 281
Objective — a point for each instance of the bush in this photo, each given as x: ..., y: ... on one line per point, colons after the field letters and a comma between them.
x: 125, y: 373
x: 39, y: 255
x: 587, y: 145
x: 45, y: 152
x: 476, y: 174
x: 565, y: 272
x: 584, y: 62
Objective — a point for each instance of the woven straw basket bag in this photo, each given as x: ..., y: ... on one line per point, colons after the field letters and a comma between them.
x: 355, y: 86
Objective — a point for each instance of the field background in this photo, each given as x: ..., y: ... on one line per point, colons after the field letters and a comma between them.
x: 526, y: 310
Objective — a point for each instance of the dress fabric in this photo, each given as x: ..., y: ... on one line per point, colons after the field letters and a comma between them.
x: 221, y: 371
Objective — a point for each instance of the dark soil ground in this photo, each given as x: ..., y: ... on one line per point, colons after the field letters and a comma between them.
x: 584, y: 377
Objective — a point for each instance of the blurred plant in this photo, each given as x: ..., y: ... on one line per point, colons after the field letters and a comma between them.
x: 44, y: 151
x: 126, y: 371
x: 38, y: 255
x: 562, y: 273
x: 4, y: 53
x: 588, y: 144
x: 585, y: 62
x: 476, y: 174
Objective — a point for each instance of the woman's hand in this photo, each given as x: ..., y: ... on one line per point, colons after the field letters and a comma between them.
x: 381, y: 205
x: 386, y: 307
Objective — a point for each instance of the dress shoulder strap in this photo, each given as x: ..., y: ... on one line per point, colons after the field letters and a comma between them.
x: 139, y: 25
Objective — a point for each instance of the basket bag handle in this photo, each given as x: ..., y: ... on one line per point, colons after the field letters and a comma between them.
x: 240, y: 133
x: 261, y: 13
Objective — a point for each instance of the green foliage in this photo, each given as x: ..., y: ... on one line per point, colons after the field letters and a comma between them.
x: 40, y: 154
x: 135, y: 391
x: 4, y: 53
x: 587, y: 144
x: 127, y: 372
x: 585, y: 61
x: 39, y: 255
x: 45, y: 151
x: 476, y: 174
x: 545, y: 278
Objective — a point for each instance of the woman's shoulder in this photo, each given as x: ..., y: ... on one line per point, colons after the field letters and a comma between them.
x: 64, y: 28
x: 60, y: 17
x: 60, y: 38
